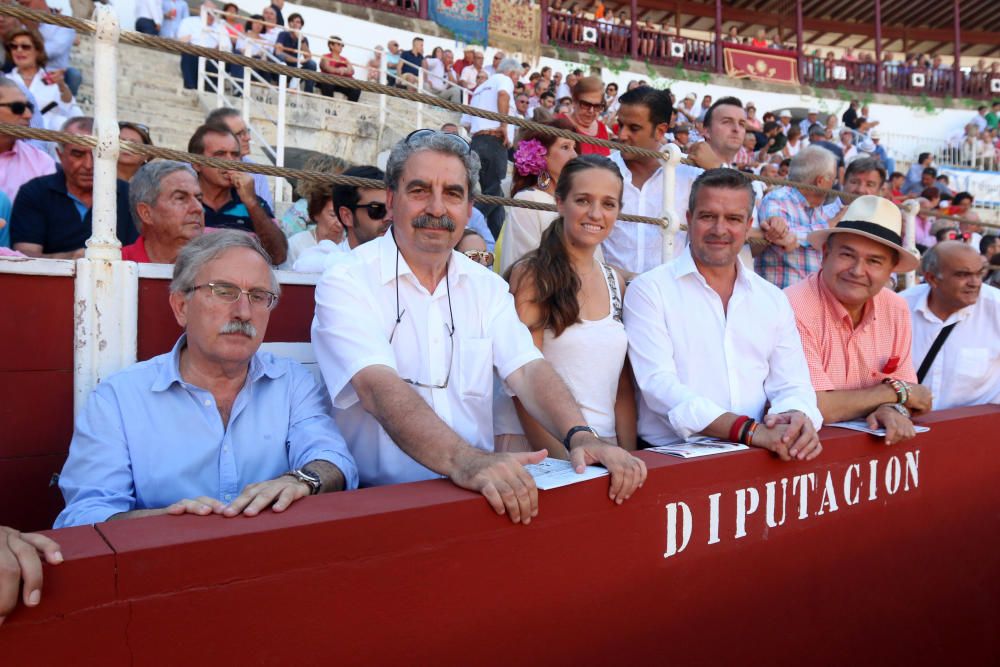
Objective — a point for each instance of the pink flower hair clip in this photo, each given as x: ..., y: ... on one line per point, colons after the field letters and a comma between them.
x: 529, y: 158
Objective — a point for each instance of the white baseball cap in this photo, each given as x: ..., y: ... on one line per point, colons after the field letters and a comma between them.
x: 785, y: 113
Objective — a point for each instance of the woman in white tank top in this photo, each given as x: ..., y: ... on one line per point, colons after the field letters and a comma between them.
x: 571, y: 302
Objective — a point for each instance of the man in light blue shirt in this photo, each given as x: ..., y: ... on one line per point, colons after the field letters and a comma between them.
x: 215, y: 426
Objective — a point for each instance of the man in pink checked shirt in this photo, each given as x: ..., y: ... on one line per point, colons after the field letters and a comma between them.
x: 19, y: 161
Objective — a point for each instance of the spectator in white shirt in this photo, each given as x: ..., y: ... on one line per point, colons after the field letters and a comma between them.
x: 490, y: 138
x: 408, y: 333
x: 470, y: 73
x: 52, y: 94
x: 58, y: 43
x: 174, y: 11
x: 149, y: 16
x: 441, y: 77
x: 712, y: 344
x: 966, y: 368
x: 204, y: 30
x: 643, y: 119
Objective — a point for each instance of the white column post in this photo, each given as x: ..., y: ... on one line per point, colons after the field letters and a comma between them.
x: 383, y: 78
x: 909, y: 209
x: 420, y: 105
x: 220, y: 84
x: 247, y: 80
x: 106, y: 291
x: 669, y: 212
x: 279, y: 143
x: 201, y: 74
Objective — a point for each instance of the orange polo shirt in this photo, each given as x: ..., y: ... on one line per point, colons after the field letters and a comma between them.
x: 842, y: 356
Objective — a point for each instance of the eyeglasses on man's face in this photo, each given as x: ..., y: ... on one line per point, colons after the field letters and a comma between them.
x: 450, y: 330
x: 259, y: 299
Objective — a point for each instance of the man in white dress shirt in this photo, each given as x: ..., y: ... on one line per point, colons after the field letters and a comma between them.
x: 408, y: 333
x: 643, y: 120
x: 490, y: 139
x: 966, y: 367
x: 712, y: 344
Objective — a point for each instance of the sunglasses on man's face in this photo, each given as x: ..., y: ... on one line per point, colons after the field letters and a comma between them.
x: 958, y: 236
x: 376, y: 210
x: 18, y: 108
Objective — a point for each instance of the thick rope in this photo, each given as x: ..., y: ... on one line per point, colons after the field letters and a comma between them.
x: 173, y: 46
x: 88, y: 141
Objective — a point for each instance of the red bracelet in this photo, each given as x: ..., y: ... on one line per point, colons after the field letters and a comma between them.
x: 734, y: 430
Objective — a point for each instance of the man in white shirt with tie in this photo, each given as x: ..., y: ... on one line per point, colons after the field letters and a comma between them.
x: 965, y: 368
x: 712, y: 344
x: 408, y: 334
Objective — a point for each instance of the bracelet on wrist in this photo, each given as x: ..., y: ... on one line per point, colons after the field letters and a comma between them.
x: 746, y: 430
x: 900, y: 408
x: 900, y: 388
x: 737, y: 427
x: 750, y: 433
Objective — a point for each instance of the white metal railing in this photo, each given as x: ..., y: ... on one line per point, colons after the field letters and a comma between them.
x: 971, y: 154
x: 253, y: 107
x: 423, y: 74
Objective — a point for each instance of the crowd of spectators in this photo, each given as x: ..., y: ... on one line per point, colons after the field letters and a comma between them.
x: 412, y: 320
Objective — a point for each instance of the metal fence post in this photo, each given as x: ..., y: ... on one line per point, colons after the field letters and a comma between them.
x: 279, y: 143
x: 106, y: 290
x: 669, y: 213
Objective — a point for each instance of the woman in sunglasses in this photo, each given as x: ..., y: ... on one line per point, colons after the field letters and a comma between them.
x: 129, y: 163
x: 588, y: 104
x: 571, y: 302
x: 26, y: 49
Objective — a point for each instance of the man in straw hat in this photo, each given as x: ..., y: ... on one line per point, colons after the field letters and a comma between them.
x: 855, y: 332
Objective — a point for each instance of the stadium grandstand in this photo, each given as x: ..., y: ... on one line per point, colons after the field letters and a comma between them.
x: 693, y: 287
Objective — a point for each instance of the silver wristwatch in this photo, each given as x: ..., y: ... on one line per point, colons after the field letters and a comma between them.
x: 309, y: 478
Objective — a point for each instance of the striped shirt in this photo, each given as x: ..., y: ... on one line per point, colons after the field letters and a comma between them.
x: 843, y: 356
x: 787, y: 268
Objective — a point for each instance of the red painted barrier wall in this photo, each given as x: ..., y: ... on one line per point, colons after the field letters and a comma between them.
x: 36, y: 395
x: 904, y: 572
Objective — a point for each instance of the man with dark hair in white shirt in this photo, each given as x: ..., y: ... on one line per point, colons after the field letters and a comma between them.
x: 712, y: 344
x: 408, y: 334
x: 964, y: 368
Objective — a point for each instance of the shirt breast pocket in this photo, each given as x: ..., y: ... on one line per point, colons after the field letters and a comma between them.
x: 475, y: 367
x: 972, y: 363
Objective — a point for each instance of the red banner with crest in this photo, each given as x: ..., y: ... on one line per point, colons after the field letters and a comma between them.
x: 747, y: 62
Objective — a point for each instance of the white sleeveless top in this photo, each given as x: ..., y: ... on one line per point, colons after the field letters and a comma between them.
x: 589, y: 357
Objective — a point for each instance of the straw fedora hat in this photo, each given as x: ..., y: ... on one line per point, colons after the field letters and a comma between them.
x: 875, y: 218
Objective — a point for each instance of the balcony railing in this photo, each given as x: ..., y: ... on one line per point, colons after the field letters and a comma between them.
x: 404, y: 7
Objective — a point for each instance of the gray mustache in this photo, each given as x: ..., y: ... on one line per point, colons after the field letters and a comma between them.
x: 430, y: 222
x: 239, y: 327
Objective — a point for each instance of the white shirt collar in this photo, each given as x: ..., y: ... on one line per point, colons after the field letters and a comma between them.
x: 684, y: 265
x: 387, y: 261
x: 923, y: 308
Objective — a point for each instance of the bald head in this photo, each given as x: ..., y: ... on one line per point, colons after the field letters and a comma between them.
x: 955, y: 272
x: 947, y: 254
